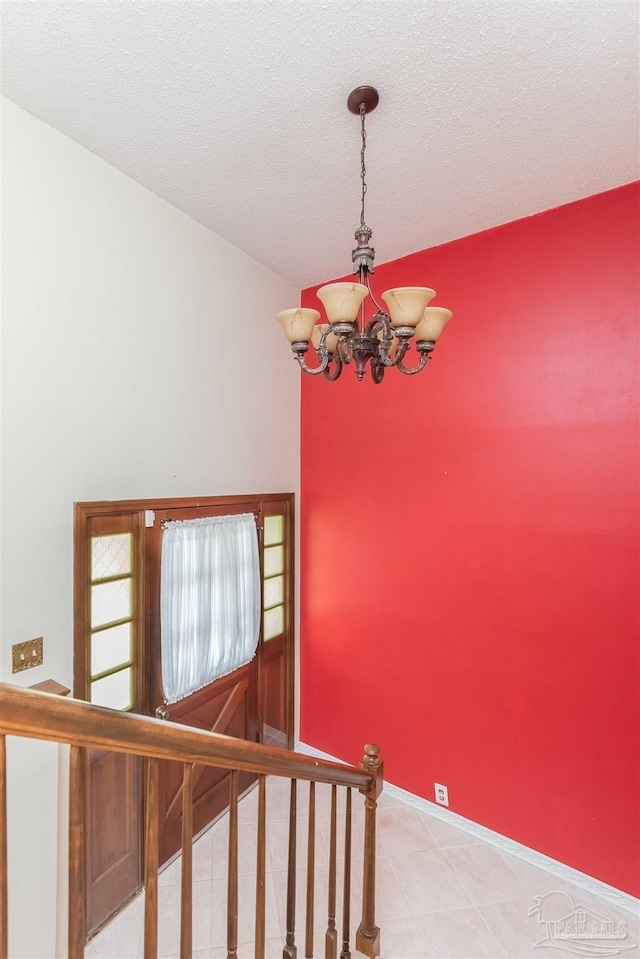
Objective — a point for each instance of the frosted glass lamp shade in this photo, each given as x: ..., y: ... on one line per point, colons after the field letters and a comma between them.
x: 316, y: 333
x: 432, y: 323
x: 342, y: 300
x: 298, y: 324
x: 316, y: 336
x: 406, y: 304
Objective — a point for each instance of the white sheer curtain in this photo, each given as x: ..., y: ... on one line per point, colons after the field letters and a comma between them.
x: 209, y: 600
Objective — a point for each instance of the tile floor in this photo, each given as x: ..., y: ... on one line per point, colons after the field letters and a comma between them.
x: 440, y: 892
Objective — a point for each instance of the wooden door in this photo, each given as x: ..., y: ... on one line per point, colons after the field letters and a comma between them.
x: 113, y: 866
x: 229, y: 705
x: 255, y: 702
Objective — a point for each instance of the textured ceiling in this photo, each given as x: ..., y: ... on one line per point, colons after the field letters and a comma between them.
x: 235, y: 110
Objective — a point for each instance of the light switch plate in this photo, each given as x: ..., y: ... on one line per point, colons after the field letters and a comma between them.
x: 26, y: 655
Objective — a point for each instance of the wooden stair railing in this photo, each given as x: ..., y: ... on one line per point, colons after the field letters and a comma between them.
x: 38, y: 715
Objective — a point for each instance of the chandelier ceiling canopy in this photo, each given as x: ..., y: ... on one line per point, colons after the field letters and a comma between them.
x: 383, y: 341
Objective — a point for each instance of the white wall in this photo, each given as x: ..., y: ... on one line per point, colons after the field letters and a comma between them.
x: 140, y: 358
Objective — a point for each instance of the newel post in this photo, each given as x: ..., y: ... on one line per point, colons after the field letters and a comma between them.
x: 368, y: 934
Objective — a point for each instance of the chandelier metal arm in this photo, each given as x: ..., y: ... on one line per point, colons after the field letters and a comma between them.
x: 345, y: 347
x: 324, y: 357
x: 416, y: 369
x: 380, y: 321
x: 391, y: 361
x: 425, y: 348
x: 312, y: 371
x: 377, y: 371
x: 333, y: 374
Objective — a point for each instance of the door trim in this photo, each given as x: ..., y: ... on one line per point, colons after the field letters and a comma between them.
x: 91, y: 517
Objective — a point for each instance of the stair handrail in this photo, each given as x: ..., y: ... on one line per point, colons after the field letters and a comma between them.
x: 46, y: 716
x: 38, y: 715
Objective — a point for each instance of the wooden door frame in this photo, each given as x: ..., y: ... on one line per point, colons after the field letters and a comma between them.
x: 86, y: 525
x: 86, y: 512
x: 82, y: 591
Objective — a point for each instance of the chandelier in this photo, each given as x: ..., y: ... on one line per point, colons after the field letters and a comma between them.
x: 385, y: 340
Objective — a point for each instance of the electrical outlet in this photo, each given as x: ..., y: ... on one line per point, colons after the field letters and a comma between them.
x: 442, y: 794
x: 26, y: 655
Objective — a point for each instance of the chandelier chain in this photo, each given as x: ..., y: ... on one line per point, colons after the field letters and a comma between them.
x: 363, y: 169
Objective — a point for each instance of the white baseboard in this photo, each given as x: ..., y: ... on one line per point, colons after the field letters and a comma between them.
x: 597, y: 888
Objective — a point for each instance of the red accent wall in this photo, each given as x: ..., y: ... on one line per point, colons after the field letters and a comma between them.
x: 470, y: 541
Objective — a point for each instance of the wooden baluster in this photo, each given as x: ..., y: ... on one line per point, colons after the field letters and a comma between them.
x: 368, y: 934
x: 331, y: 938
x: 151, y: 863
x: 290, y: 950
x: 232, y: 869
x: 4, y: 882
x: 186, y: 907
x: 260, y: 870
x: 345, y: 952
x: 311, y: 854
x: 77, y: 772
